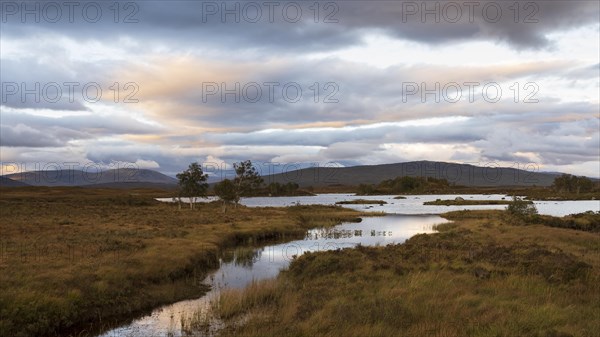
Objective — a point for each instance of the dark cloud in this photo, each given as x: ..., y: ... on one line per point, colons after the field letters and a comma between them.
x: 339, y: 23
x: 171, y: 50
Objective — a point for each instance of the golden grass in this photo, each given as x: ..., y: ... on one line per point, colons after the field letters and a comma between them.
x: 361, y: 202
x: 463, y: 202
x: 479, y: 276
x: 74, y: 259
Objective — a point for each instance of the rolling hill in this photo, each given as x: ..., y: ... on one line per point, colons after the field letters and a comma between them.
x: 460, y: 174
x: 7, y: 182
x: 110, y: 178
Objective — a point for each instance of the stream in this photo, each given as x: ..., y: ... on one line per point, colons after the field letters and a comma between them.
x: 239, y: 267
x: 243, y: 265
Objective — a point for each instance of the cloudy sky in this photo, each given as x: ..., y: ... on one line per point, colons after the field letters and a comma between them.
x: 161, y: 84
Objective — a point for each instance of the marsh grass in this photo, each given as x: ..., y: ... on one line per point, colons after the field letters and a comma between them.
x: 361, y: 202
x: 479, y: 276
x: 233, y: 302
x: 199, y: 322
x: 440, y: 202
x: 74, y: 261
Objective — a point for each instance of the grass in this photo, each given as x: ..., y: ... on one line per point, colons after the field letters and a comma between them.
x: 531, y: 192
x: 361, y: 202
x: 76, y: 260
x: 588, y: 221
x: 481, y: 275
x: 463, y: 202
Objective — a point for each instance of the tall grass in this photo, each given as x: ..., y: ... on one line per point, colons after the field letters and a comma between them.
x: 233, y: 302
x: 478, y: 277
x: 73, y: 259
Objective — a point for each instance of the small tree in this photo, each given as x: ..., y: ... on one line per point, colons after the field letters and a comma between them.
x: 521, y: 208
x: 226, y: 191
x: 365, y: 189
x: 247, y: 180
x: 192, y: 183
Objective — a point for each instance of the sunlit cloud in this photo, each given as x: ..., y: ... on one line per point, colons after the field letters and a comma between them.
x: 375, y: 89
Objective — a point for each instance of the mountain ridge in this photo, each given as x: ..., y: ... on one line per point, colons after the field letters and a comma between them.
x: 459, y: 174
x: 108, y: 178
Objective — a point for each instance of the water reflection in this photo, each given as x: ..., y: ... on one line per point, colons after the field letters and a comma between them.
x: 243, y: 265
x: 242, y: 256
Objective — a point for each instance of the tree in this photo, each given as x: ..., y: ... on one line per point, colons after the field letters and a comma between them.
x: 585, y: 184
x: 192, y: 183
x: 226, y: 191
x: 247, y: 179
x: 572, y: 184
x: 521, y: 208
x: 364, y: 189
x: 277, y: 189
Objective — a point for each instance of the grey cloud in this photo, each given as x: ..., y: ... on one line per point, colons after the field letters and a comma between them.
x: 20, y: 129
x: 182, y: 22
x: 454, y: 132
x: 364, y: 94
x: 28, y: 83
x: 556, y: 132
x: 52, y: 81
x: 24, y: 136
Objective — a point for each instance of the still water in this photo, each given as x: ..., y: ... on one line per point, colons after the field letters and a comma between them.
x: 242, y: 268
x: 413, y: 204
x: 239, y: 267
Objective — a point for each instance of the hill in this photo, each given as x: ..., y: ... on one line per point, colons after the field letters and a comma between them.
x: 7, y: 182
x: 459, y: 174
x: 110, y: 178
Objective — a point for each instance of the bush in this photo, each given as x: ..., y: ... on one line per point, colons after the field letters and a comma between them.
x: 521, y: 208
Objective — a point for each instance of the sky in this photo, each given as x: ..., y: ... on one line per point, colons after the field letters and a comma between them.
x: 160, y: 84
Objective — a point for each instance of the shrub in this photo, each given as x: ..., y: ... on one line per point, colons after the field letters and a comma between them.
x: 521, y: 208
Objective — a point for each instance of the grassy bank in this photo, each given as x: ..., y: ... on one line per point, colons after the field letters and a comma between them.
x: 73, y: 259
x: 485, y: 274
x: 532, y: 193
x: 463, y: 202
x: 361, y: 202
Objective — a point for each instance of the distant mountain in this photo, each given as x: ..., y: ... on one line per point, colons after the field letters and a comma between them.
x: 109, y: 178
x: 460, y: 174
x: 7, y: 182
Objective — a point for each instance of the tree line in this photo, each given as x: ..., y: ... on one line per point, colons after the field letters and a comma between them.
x: 404, y: 184
x: 246, y: 183
x: 567, y: 183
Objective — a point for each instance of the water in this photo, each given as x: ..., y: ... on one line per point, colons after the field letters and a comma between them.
x: 266, y: 262
x: 406, y: 217
x: 413, y: 204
